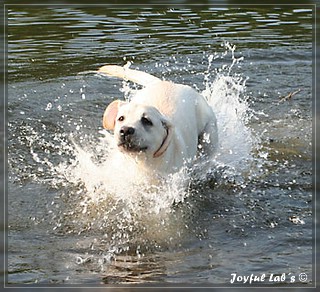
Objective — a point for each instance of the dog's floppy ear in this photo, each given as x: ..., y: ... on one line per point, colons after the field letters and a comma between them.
x: 110, y: 114
x: 165, y: 144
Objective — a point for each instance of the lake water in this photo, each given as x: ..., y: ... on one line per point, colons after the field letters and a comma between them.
x: 77, y: 217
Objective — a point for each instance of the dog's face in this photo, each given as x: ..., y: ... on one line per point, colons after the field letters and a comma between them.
x: 138, y: 128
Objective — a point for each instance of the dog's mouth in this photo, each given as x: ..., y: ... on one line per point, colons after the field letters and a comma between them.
x: 130, y: 147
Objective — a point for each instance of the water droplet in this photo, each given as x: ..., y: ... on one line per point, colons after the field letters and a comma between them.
x: 49, y: 106
x: 79, y: 260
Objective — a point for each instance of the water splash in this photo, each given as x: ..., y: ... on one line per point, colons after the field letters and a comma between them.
x: 126, y: 208
x: 226, y: 95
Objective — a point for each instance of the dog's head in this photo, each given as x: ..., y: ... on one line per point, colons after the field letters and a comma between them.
x: 138, y: 128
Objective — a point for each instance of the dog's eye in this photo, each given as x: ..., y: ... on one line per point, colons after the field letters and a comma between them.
x: 147, y: 122
x: 121, y: 118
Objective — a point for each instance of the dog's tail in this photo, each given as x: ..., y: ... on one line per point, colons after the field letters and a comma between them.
x: 125, y: 73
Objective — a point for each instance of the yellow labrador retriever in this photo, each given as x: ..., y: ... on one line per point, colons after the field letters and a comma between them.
x: 164, y: 126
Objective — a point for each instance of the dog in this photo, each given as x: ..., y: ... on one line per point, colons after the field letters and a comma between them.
x: 164, y: 127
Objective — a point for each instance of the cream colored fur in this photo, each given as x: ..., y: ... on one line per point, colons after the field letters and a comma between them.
x: 164, y: 125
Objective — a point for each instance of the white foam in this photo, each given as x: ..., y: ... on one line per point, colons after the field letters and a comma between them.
x: 119, y: 177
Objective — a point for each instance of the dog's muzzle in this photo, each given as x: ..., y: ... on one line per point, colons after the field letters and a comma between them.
x: 126, y: 140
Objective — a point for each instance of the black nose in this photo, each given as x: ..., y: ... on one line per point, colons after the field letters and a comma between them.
x: 126, y: 131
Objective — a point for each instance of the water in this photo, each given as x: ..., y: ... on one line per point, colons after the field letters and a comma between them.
x: 76, y: 216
